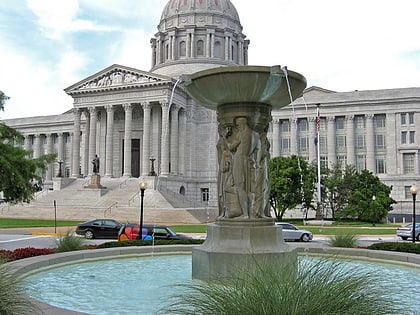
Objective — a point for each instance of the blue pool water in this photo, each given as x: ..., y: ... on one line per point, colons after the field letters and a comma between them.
x: 142, y: 285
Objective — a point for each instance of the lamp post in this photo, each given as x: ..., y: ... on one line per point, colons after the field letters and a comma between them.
x: 142, y: 186
x: 413, y: 190
x: 60, y: 163
x: 152, y: 168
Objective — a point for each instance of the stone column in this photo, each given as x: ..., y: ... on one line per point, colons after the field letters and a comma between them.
x: 60, y: 149
x: 37, y: 146
x: 370, y: 144
x: 75, y: 167
x: 127, y: 139
x: 92, y: 137
x: 312, y: 135
x: 226, y: 47
x: 188, y: 45
x: 182, y: 139
x: 164, y: 162
x: 391, y: 146
x: 276, y: 138
x: 174, y: 140
x: 351, y: 155
x: 332, y: 158
x: 28, y: 143
x: 192, y: 45
x: 208, y: 46
x: 50, y: 167
x: 146, y: 139
x: 154, y: 54
x: 109, y: 140
x: 86, y: 162
x: 293, y: 137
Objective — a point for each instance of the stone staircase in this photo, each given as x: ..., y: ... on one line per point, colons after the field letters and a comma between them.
x: 121, y: 201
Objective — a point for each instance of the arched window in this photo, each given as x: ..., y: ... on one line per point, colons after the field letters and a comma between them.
x: 200, y: 48
x: 218, y: 50
x: 182, y: 190
x: 232, y: 57
x: 182, y: 49
x: 167, y: 52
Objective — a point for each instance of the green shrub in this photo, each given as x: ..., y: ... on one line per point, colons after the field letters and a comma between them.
x: 69, y: 243
x: 150, y: 243
x: 343, y: 240
x: 318, y: 286
x: 406, y: 247
x: 13, y: 300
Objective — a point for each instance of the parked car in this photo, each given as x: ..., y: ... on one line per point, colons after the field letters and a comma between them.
x: 293, y: 233
x: 99, y: 228
x: 149, y: 232
x: 406, y: 232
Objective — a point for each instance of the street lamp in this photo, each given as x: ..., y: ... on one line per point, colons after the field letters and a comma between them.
x: 413, y: 190
x: 143, y: 187
x: 152, y: 168
x: 60, y: 163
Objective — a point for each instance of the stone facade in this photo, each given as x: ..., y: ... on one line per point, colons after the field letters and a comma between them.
x: 128, y: 116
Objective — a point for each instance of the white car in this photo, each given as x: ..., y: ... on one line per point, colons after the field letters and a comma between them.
x: 406, y: 232
x: 293, y: 233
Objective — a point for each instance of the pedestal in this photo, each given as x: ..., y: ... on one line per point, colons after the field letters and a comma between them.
x: 234, y: 245
x: 95, y: 182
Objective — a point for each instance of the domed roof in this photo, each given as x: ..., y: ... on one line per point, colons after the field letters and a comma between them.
x: 201, y: 13
x: 180, y: 7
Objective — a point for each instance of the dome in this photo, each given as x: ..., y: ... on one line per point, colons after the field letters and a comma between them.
x: 194, y: 35
x: 217, y: 7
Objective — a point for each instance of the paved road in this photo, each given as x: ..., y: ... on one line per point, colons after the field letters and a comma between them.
x: 12, y: 239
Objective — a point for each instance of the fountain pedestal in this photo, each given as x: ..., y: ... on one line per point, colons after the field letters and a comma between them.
x: 244, y: 232
x: 233, y: 245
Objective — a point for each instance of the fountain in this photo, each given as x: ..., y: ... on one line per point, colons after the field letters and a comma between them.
x: 244, y: 231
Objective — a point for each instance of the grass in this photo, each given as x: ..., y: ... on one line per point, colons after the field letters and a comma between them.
x: 7, y: 223
x: 343, y: 240
x: 69, y: 243
x: 318, y: 286
x: 12, y: 295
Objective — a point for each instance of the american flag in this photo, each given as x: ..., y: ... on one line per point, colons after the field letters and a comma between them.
x: 318, y: 123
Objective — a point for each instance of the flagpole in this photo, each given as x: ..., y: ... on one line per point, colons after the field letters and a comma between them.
x: 318, y: 155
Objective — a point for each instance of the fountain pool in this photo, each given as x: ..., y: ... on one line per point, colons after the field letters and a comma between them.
x: 142, y: 285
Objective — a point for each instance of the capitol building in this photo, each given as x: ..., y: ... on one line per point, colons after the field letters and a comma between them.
x: 133, y: 118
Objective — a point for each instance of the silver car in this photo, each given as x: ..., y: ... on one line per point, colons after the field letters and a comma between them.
x: 293, y: 233
x: 406, y: 232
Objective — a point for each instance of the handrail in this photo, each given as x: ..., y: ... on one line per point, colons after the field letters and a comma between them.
x: 110, y: 208
x: 123, y: 183
x: 132, y: 198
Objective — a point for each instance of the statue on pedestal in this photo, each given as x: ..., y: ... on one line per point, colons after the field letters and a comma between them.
x: 95, y: 163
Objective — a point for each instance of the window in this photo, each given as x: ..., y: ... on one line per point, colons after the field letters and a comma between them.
x: 339, y: 123
x: 323, y: 123
x: 380, y: 141
x: 200, y: 48
x: 411, y: 118
x: 342, y: 161
x: 303, y: 144
x: 408, y: 163
x: 403, y: 119
x: 407, y: 192
x: 379, y: 120
x: 167, y: 52
x: 380, y: 165
x: 204, y: 194
x: 360, y: 122
x: 218, y: 49
x: 403, y: 137
x: 341, y: 141
x: 284, y: 125
x: 182, y: 49
x: 323, y: 144
x: 285, y: 144
x: 412, y: 137
x: 360, y: 162
x: 324, y: 162
x: 302, y: 124
x: 360, y: 141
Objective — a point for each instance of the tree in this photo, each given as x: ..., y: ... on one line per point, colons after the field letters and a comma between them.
x: 368, y: 199
x: 292, y: 183
x: 18, y: 172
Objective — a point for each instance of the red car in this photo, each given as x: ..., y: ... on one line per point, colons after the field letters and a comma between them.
x: 159, y: 232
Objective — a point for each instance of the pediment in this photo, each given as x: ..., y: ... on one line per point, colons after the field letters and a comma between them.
x: 116, y: 76
x: 316, y: 91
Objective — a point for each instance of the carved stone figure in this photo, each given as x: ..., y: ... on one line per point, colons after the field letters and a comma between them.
x: 95, y: 163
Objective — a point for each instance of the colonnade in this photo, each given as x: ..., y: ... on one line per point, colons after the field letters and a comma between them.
x: 331, y: 152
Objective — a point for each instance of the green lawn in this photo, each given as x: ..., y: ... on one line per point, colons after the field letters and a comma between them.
x: 6, y: 223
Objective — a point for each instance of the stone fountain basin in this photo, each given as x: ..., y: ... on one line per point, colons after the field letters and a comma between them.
x: 244, y: 84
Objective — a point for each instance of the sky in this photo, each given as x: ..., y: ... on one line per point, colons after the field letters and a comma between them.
x: 347, y: 45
